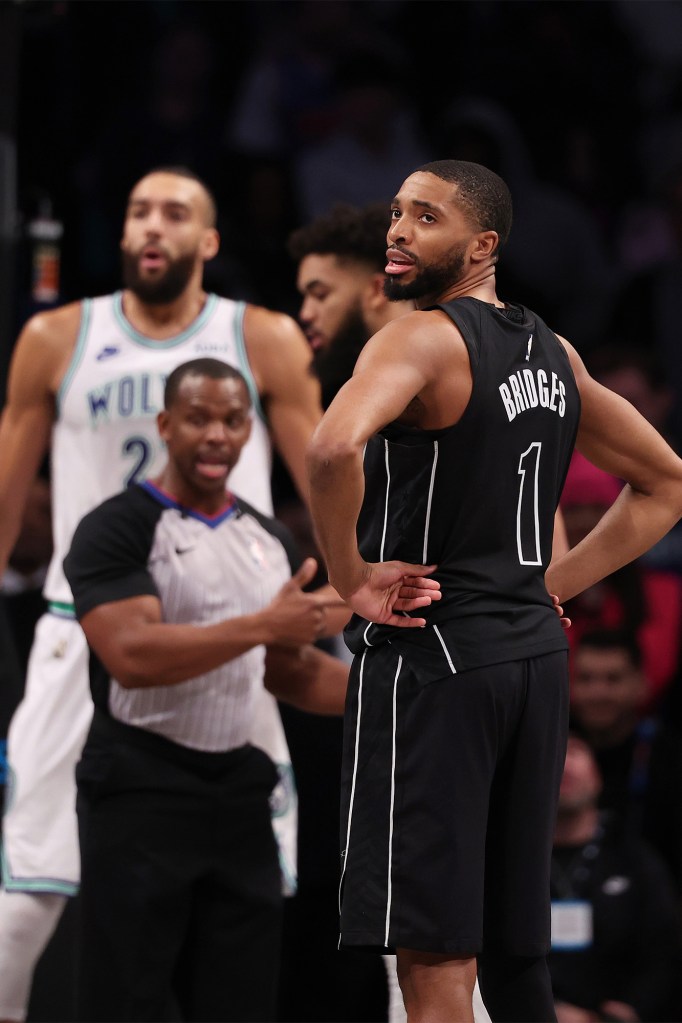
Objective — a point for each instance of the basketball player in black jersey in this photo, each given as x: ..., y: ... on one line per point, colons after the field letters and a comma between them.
x: 464, y: 415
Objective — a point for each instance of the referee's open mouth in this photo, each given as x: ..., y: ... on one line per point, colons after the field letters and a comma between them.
x: 212, y: 467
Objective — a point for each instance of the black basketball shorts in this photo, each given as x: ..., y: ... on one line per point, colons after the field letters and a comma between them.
x: 449, y: 794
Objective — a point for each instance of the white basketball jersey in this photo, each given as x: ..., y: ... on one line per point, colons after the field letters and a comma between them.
x: 105, y: 433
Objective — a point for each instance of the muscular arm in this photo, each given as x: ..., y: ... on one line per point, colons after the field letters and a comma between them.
x: 40, y: 359
x: 614, y: 437
x: 280, y: 358
x: 560, y: 539
x: 307, y: 678
x: 140, y: 649
x: 399, y: 364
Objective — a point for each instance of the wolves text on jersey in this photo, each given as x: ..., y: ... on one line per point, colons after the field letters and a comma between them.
x: 529, y: 389
x: 136, y: 395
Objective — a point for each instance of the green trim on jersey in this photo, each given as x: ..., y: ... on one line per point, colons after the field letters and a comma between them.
x: 244, y: 364
x: 42, y: 885
x: 39, y: 885
x: 86, y: 313
x: 170, y: 342
x: 61, y: 608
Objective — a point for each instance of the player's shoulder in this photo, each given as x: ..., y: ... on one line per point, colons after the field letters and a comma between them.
x: 427, y: 322
x: 58, y: 326
x: 261, y: 323
x: 43, y: 351
x: 420, y: 334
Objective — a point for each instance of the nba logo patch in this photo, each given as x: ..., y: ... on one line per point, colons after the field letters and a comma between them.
x: 258, y: 554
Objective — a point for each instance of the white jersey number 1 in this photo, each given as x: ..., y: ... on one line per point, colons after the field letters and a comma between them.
x: 527, y: 517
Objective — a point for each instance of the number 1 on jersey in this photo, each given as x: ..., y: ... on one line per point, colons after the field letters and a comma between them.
x: 527, y: 517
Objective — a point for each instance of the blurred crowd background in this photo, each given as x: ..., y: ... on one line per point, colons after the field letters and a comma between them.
x: 286, y: 106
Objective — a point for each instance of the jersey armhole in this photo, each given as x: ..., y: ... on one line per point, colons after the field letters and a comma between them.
x: 244, y: 364
x: 76, y: 355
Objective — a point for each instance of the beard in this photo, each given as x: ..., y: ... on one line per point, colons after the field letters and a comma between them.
x: 430, y: 280
x: 334, y: 364
x: 163, y: 289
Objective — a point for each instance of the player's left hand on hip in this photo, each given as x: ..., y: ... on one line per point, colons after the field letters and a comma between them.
x: 565, y: 622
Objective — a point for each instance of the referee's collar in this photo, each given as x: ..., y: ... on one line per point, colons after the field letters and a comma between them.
x: 229, y: 509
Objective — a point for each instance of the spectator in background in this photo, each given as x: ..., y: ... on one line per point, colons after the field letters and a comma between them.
x: 646, y: 312
x: 637, y: 375
x: 375, y: 142
x: 284, y: 99
x: 639, y: 757
x: 285, y: 106
x: 171, y: 121
x: 644, y: 601
x: 566, y: 270
x: 615, y: 930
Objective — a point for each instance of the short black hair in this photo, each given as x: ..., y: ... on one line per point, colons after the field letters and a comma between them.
x: 613, y: 639
x: 180, y: 171
x: 481, y: 193
x: 347, y: 232
x: 212, y: 368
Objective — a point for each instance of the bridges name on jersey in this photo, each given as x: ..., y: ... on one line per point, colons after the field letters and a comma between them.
x: 528, y: 389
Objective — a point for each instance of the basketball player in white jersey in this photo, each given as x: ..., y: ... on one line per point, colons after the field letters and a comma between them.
x: 86, y: 380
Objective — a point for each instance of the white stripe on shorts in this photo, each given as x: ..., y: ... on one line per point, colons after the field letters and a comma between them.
x: 355, y: 771
x: 390, y: 823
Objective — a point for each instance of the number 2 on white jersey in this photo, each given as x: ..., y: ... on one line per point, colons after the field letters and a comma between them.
x: 140, y: 450
x: 527, y: 516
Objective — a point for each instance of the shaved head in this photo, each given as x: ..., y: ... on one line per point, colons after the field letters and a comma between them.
x: 189, y: 188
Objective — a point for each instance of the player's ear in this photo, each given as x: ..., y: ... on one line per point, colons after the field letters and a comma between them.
x: 162, y: 424
x: 484, y: 245
x: 373, y: 296
x: 210, y: 243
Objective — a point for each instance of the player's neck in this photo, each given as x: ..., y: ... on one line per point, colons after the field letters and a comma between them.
x: 472, y: 285
x: 387, y: 312
x: 166, y: 319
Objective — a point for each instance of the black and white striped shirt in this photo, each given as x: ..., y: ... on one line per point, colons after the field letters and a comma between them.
x: 203, y: 570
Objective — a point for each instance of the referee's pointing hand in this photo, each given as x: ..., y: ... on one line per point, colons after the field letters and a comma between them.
x: 293, y: 616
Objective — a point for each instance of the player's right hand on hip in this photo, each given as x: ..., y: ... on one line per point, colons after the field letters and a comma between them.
x: 393, y: 588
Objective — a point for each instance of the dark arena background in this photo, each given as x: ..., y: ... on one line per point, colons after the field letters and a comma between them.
x: 284, y: 108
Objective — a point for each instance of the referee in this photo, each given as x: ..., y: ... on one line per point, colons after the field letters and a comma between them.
x: 179, y: 587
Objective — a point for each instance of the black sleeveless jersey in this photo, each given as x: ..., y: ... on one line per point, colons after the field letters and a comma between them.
x: 478, y: 499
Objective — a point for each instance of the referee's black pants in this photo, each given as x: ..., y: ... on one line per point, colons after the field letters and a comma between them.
x: 181, y: 888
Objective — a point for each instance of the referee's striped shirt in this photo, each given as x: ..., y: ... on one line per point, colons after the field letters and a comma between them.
x: 203, y: 570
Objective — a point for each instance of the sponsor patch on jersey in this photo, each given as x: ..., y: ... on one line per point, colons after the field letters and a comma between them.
x: 108, y: 352
x: 257, y: 553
